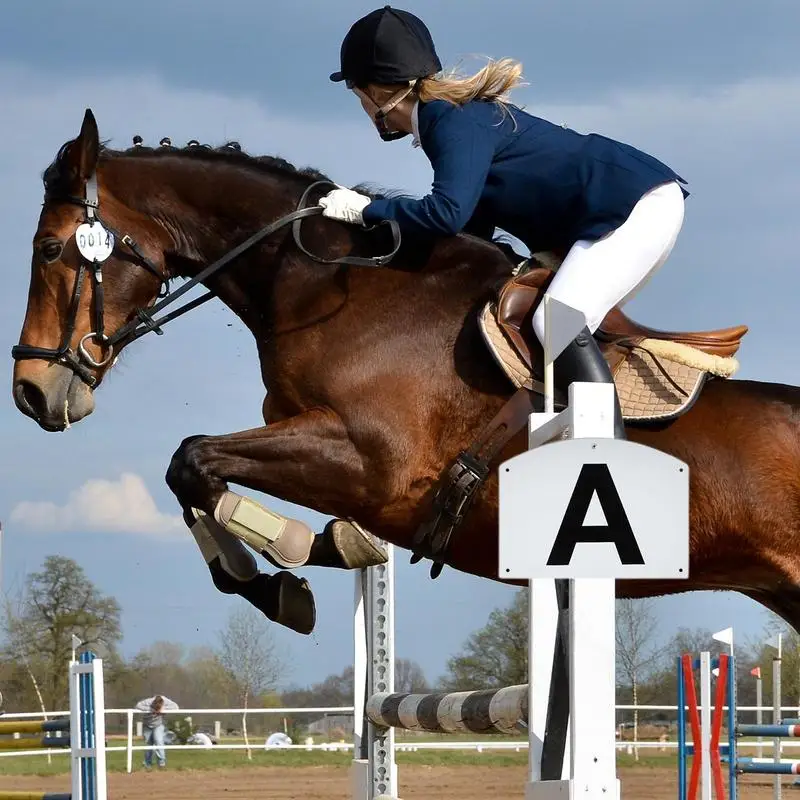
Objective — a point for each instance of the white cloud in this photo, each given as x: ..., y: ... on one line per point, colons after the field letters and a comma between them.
x: 121, y: 506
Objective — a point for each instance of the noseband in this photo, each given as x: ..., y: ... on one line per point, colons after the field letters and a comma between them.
x: 144, y: 320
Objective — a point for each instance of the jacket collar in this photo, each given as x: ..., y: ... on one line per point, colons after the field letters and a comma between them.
x: 415, y: 124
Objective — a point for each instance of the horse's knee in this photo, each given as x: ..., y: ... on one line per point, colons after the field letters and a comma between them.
x: 186, y: 465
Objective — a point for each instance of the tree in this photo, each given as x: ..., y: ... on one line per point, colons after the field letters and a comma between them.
x: 56, y: 603
x: 249, y: 655
x: 335, y: 690
x: 637, y: 655
x: 497, y: 654
x: 409, y: 677
x: 194, y: 678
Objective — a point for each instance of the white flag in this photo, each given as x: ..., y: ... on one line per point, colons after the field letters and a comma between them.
x: 725, y: 636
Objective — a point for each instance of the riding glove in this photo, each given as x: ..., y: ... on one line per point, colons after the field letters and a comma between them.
x: 345, y: 205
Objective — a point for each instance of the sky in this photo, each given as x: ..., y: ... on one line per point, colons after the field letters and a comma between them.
x: 711, y: 88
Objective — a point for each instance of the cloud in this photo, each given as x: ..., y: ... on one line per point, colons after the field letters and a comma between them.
x: 571, y: 48
x: 121, y: 506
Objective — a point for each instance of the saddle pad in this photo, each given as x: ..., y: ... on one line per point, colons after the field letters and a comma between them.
x: 645, y: 392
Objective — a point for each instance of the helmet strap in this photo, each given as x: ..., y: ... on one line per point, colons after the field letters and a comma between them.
x: 380, y: 115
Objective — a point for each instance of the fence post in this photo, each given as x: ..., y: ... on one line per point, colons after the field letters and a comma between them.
x: 129, y: 742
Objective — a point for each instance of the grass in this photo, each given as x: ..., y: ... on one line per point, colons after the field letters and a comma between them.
x: 212, y: 758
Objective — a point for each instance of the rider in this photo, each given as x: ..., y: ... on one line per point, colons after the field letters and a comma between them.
x: 614, y: 210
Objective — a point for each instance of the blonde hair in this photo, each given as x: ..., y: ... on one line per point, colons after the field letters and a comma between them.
x: 493, y: 82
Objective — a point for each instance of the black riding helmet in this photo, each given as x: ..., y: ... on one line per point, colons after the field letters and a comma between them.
x: 387, y: 46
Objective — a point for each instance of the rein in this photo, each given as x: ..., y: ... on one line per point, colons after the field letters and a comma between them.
x: 145, y: 319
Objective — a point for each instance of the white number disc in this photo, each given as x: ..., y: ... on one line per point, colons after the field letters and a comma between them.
x: 94, y: 241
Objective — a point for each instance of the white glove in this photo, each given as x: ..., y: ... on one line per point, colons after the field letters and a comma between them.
x: 345, y: 205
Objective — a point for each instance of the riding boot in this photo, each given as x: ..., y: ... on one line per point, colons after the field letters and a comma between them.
x: 582, y: 362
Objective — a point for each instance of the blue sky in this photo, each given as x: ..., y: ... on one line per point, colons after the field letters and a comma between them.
x: 713, y: 89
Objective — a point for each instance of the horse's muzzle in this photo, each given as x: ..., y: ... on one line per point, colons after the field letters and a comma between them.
x: 51, y: 394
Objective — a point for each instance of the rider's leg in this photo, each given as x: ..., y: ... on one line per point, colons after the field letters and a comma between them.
x: 596, y: 276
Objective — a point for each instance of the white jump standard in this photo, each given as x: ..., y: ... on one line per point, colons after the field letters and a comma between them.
x: 590, y: 509
x: 577, y: 506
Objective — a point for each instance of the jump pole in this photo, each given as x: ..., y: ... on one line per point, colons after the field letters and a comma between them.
x: 582, y: 506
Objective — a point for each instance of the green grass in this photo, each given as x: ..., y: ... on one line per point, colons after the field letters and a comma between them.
x: 212, y: 758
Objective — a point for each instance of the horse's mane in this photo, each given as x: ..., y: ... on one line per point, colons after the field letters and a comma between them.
x: 231, y: 152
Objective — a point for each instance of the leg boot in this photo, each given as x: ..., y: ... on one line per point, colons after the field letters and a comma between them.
x: 582, y: 362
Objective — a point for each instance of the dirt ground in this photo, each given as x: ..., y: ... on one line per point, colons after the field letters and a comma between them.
x: 315, y: 783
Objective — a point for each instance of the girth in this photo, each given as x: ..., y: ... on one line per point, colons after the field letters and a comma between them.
x: 458, y: 486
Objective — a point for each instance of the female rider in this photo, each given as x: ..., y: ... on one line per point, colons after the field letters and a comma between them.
x: 615, y: 210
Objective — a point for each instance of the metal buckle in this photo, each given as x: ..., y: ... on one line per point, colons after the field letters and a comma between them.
x: 84, y: 353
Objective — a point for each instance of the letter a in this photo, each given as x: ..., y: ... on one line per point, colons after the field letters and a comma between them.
x: 595, y: 478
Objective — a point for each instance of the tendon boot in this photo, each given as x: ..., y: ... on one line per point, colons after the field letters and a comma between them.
x: 582, y: 362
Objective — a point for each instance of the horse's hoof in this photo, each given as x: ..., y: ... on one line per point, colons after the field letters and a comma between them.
x: 282, y: 598
x: 293, y: 603
x: 354, y: 546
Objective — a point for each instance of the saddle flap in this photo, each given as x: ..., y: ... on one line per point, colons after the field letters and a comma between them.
x: 516, y: 303
x: 724, y: 342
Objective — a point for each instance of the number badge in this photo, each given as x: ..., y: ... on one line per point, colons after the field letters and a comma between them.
x: 94, y: 241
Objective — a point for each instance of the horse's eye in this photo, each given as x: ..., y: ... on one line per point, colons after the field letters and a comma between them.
x: 51, y: 251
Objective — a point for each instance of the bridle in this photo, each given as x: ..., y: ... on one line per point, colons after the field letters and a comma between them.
x: 145, y: 320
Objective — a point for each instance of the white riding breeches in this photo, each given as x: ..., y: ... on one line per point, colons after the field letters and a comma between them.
x: 596, y: 276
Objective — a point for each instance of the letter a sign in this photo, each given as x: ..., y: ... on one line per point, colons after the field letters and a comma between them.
x: 594, y: 508
x: 595, y: 479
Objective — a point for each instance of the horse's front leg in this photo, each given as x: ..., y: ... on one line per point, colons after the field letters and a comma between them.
x: 309, y: 460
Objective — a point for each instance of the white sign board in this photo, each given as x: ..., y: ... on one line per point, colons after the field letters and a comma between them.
x: 594, y: 508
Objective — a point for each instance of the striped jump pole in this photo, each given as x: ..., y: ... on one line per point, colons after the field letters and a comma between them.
x: 29, y: 743
x: 486, y: 711
x: 783, y: 731
x: 766, y: 766
x: 34, y: 726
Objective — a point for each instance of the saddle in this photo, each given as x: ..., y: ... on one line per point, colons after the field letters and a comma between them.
x: 658, y: 374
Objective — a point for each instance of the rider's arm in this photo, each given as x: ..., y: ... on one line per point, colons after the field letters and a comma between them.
x: 460, y: 149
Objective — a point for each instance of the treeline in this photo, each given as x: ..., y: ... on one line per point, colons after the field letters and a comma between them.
x: 242, y: 668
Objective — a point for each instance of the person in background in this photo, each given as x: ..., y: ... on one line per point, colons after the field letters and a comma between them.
x: 153, y: 729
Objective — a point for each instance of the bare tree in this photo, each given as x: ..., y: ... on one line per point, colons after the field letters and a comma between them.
x: 637, y: 655
x: 250, y: 657
x: 409, y: 677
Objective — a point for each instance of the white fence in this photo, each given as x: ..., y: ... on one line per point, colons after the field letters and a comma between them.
x: 346, y: 746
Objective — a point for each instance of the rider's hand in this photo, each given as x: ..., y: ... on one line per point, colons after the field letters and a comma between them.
x: 345, y: 205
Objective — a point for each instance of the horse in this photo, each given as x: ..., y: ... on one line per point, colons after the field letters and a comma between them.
x: 376, y: 373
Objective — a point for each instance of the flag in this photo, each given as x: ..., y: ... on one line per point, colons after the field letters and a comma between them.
x: 756, y: 672
x: 725, y: 636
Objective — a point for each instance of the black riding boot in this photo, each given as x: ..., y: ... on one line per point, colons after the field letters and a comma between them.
x: 582, y: 362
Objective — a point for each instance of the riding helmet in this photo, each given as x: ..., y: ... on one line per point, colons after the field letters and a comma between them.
x: 387, y: 46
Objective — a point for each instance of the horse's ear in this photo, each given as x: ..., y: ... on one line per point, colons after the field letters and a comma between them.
x: 85, y: 150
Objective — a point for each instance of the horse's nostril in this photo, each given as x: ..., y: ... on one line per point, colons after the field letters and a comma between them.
x: 30, y: 399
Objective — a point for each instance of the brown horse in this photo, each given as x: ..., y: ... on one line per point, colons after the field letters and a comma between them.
x: 376, y: 377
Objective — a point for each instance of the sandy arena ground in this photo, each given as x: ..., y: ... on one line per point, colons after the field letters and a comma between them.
x: 315, y: 783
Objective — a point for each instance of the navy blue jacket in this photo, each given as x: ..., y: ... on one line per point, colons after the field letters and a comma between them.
x: 547, y: 185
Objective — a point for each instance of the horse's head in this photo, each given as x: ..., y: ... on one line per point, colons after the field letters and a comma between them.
x: 88, y: 278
